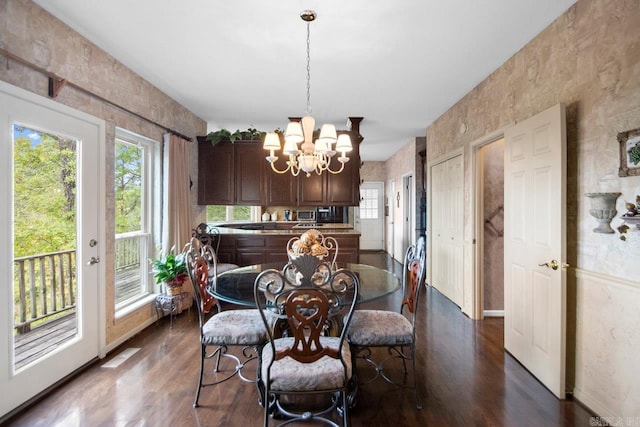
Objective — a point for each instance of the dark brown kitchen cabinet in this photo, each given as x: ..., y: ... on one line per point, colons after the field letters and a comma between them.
x: 312, y: 190
x: 238, y: 174
x: 250, y: 169
x: 343, y: 189
x: 281, y: 187
x: 251, y: 249
x: 216, y: 185
x: 231, y: 174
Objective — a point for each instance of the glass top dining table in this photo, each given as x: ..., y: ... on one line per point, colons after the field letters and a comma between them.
x: 236, y: 286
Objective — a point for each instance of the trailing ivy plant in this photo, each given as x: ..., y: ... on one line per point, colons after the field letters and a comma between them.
x: 218, y: 136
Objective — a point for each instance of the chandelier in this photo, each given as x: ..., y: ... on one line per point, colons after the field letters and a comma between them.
x: 304, y: 154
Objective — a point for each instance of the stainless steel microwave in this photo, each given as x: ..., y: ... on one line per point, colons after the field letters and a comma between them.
x: 306, y: 215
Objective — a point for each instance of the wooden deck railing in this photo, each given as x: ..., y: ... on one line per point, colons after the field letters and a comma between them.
x: 46, y: 286
x: 131, y: 264
x: 46, y: 283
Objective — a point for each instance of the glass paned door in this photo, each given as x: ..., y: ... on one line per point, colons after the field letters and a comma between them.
x: 51, y: 213
x: 44, y: 242
x: 371, y: 218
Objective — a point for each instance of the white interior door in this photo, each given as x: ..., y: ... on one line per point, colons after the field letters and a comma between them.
x: 408, y: 228
x: 535, y: 294
x: 391, y: 203
x: 371, y: 216
x: 35, y: 126
x: 447, y: 218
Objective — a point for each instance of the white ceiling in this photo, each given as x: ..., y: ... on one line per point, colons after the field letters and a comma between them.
x: 238, y: 64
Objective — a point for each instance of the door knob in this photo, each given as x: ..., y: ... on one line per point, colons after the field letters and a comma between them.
x: 93, y: 260
x: 553, y: 264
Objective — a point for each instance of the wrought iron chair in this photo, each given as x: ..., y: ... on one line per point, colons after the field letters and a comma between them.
x: 309, y: 297
x: 210, y: 236
x: 382, y: 328
x: 241, y: 328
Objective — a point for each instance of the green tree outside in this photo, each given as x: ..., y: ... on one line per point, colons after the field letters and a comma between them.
x: 44, y: 208
x: 128, y: 187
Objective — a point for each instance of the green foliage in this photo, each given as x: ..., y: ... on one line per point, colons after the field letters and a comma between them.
x: 218, y: 136
x: 170, y: 268
x: 242, y: 213
x: 45, y: 174
x: 216, y: 213
x: 634, y: 154
x: 128, y: 187
x: 44, y: 208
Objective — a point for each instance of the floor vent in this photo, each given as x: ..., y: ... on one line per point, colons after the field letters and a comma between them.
x: 120, y: 358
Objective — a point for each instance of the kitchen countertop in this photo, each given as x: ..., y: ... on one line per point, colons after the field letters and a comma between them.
x: 296, y: 230
x: 332, y: 227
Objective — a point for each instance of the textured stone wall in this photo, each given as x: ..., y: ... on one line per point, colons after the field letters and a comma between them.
x: 493, y: 200
x: 373, y: 171
x: 30, y: 33
x: 402, y: 163
x: 588, y: 59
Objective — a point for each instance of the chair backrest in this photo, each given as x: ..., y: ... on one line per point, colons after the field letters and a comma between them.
x: 414, y: 271
x: 198, y: 268
x: 313, y: 299
x: 207, y: 236
x: 315, y: 243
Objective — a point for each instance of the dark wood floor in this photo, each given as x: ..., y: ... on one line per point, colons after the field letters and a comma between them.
x: 466, y: 379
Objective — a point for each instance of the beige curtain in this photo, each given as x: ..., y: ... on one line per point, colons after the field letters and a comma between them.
x: 176, y: 205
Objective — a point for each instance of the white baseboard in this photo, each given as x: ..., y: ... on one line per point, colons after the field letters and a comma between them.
x: 590, y: 402
x: 493, y: 313
x: 112, y: 345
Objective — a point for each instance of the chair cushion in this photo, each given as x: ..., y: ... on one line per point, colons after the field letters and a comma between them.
x: 288, y: 374
x: 379, y: 328
x: 234, y: 327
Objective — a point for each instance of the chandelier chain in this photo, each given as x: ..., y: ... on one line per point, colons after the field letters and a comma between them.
x: 309, y: 156
x: 308, y: 111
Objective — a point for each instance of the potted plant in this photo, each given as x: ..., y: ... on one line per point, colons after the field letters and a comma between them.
x: 218, y: 136
x: 171, y: 270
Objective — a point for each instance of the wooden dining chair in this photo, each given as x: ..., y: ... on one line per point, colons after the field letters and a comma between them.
x: 221, y: 330
x: 395, y: 331
x: 305, y: 361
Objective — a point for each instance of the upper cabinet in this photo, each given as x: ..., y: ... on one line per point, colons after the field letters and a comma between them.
x: 216, y: 165
x: 231, y: 174
x: 281, y: 187
x: 238, y: 174
x: 342, y: 189
x: 250, y: 168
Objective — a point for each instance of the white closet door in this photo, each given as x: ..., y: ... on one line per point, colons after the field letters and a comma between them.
x: 447, y: 227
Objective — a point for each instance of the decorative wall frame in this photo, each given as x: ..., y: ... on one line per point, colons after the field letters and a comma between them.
x: 629, y: 152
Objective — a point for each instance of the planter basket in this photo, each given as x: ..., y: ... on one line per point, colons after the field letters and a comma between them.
x: 174, y: 287
x: 173, y: 290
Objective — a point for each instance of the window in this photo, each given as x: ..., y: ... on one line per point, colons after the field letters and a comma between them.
x: 220, y: 213
x: 369, y: 203
x: 136, y: 214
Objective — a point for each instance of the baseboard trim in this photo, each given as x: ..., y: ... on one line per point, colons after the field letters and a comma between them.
x: 493, y: 313
x: 112, y: 345
x: 590, y: 403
